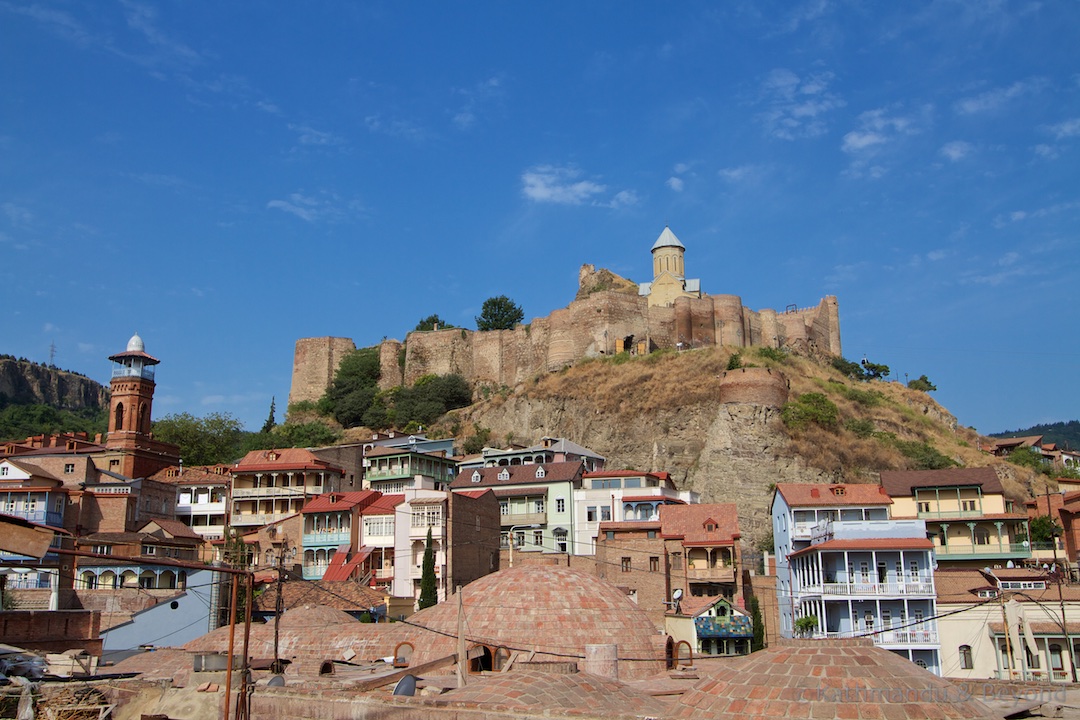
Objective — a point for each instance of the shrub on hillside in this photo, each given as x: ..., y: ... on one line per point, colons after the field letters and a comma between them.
x: 810, y: 408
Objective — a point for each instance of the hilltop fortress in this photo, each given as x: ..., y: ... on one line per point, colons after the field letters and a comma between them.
x: 609, y: 315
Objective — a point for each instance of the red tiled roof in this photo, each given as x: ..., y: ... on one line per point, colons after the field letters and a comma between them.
x: 630, y: 525
x: 474, y: 493
x: 340, y: 572
x: 287, y: 459
x: 384, y: 505
x: 689, y: 523
x: 194, y: 475
x: 331, y: 502
x: 175, y: 528
x: 520, y: 475
x: 900, y: 483
x: 804, y: 494
x: 869, y: 544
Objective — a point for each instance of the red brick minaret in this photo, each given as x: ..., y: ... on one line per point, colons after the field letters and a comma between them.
x: 129, y: 412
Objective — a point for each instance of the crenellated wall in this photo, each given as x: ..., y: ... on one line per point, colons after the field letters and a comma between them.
x: 600, y: 323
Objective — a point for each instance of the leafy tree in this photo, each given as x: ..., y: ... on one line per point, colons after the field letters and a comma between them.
x: 848, y: 368
x: 18, y: 422
x: 1043, y: 529
x: 431, y: 321
x: 874, y: 371
x: 499, y: 313
x: 354, y: 387
x: 758, y: 641
x: 805, y: 626
x: 922, y: 383
x: 215, y: 438
x: 810, y: 408
x: 270, y: 421
x: 429, y: 593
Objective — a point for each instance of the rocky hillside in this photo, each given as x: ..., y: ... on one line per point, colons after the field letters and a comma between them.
x: 663, y: 412
x: 26, y: 383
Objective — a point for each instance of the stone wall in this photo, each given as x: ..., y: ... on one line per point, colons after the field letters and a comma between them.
x: 315, y: 361
x: 598, y: 323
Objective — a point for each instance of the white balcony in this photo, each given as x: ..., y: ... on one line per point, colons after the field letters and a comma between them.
x: 277, y: 492
x: 862, y: 589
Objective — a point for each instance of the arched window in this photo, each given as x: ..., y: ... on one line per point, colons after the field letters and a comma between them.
x: 965, y: 658
x: 403, y: 654
x: 1056, y: 663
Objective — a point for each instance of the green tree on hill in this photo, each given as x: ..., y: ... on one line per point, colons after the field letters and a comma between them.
x: 499, y: 313
x: 431, y: 322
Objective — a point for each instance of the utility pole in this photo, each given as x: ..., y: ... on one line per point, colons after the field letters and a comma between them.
x: 462, y: 654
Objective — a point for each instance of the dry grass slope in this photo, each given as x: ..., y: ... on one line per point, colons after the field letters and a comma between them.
x: 872, y: 415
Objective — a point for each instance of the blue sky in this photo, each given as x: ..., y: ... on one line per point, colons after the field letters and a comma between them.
x: 225, y: 178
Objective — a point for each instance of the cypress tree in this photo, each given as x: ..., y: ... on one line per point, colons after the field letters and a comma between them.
x: 429, y: 593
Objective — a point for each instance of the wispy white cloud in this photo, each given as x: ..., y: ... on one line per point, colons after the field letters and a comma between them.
x: 1020, y: 215
x: 1067, y: 129
x: 476, y: 98
x: 320, y: 207
x: 675, y: 183
x: 741, y: 173
x: 1047, y: 152
x: 797, y: 106
x: 956, y: 150
x: 560, y: 185
x: 17, y: 215
x: 875, y: 131
x: 395, y: 127
x: 144, y: 20
x: 160, y: 180
x: 998, y: 97
x: 309, y: 136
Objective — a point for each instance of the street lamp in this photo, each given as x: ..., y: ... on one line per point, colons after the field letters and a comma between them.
x: 511, y: 538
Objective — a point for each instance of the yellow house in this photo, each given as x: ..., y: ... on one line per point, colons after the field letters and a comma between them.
x: 973, y: 606
x: 967, y: 515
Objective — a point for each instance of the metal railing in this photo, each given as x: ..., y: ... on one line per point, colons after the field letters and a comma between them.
x: 920, y: 587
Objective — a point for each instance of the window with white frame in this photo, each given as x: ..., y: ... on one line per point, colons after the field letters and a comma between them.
x: 426, y: 515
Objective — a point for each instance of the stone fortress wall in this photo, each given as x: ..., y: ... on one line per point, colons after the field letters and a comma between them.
x: 609, y: 315
x: 603, y: 322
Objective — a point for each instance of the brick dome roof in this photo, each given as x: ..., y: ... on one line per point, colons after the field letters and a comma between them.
x: 550, y: 610
x: 828, y: 679
x: 527, y: 691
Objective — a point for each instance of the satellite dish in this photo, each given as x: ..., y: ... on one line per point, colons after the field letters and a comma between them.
x: 677, y: 595
x: 406, y: 686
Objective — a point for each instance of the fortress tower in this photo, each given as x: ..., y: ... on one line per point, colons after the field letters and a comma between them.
x: 132, y: 451
x: 669, y: 272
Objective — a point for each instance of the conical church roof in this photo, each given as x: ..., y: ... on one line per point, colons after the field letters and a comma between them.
x: 667, y: 239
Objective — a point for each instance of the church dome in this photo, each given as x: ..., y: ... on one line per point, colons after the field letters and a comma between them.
x: 552, y: 611
x: 667, y: 239
x: 135, y: 344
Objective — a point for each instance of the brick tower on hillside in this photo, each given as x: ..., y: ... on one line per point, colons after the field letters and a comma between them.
x: 132, y: 450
